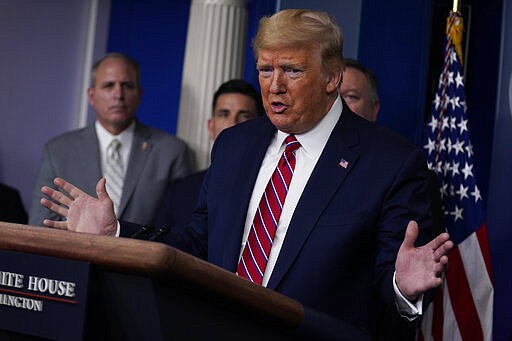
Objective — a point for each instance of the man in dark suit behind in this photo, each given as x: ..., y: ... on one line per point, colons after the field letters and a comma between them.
x: 360, y: 90
x: 345, y: 242
x: 235, y: 101
x: 11, y: 206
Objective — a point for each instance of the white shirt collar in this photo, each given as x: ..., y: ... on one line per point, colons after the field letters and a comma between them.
x: 314, y: 140
x: 105, y: 137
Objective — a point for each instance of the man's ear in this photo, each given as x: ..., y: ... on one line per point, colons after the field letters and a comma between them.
x: 334, y: 81
x: 375, y: 111
x: 210, y: 129
x: 90, y: 94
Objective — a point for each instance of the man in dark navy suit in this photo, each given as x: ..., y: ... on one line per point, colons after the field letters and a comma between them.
x: 235, y: 101
x: 359, y: 89
x: 347, y: 241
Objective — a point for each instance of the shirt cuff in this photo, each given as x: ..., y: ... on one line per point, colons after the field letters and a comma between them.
x: 118, y: 232
x: 411, y: 311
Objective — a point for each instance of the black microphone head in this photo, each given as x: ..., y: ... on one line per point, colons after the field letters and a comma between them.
x: 143, y: 232
x: 161, y: 231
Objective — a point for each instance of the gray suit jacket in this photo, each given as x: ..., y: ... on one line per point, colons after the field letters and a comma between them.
x: 156, y: 158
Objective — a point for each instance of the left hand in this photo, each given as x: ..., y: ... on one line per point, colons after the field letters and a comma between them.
x: 419, y: 269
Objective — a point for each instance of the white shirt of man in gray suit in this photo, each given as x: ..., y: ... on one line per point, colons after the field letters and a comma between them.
x: 151, y: 158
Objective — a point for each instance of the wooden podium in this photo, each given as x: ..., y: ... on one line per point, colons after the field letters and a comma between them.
x: 140, y: 290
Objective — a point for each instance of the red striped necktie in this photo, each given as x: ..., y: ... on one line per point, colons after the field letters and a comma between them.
x: 255, y: 255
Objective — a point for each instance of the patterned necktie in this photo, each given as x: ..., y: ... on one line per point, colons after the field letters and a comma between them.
x: 255, y: 255
x: 114, y: 173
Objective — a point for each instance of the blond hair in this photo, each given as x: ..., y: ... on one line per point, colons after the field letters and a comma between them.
x: 302, y: 28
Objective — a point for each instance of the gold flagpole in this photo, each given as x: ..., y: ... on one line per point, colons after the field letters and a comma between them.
x: 455, y: 6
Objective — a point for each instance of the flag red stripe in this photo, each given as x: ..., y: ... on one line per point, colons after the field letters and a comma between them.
x: 462, y: 299
x: 438, y: 315
x: 483, y: 240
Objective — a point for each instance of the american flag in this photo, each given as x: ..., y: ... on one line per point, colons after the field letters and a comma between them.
x: 462, y: 306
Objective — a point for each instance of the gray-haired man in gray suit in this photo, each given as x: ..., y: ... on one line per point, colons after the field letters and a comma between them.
x: 150, y: 158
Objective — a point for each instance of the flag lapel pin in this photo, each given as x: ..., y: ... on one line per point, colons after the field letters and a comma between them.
x: 343, y: 163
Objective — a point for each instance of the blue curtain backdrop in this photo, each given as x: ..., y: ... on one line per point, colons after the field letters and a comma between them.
x: 154, y: 33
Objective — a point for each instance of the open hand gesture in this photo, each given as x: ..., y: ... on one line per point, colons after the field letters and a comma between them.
x: 83, y: 212
x: 419, y: 269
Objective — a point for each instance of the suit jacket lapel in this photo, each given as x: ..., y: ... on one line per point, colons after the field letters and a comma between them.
x: 322, y: 185
x: 247, y: 174
x: 88, y: 152
x: 141, y: 149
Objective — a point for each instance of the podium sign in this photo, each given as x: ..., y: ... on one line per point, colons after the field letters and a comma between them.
x: 138, y: 290
x: 43, y: 296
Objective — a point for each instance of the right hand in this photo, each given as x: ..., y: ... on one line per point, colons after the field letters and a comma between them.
x: 83, y: 212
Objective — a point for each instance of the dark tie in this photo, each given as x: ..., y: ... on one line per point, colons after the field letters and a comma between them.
x: 255, y: 255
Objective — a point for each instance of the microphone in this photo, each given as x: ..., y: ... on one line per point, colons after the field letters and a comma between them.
x: 160, y: 233
x: 144, y: 230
